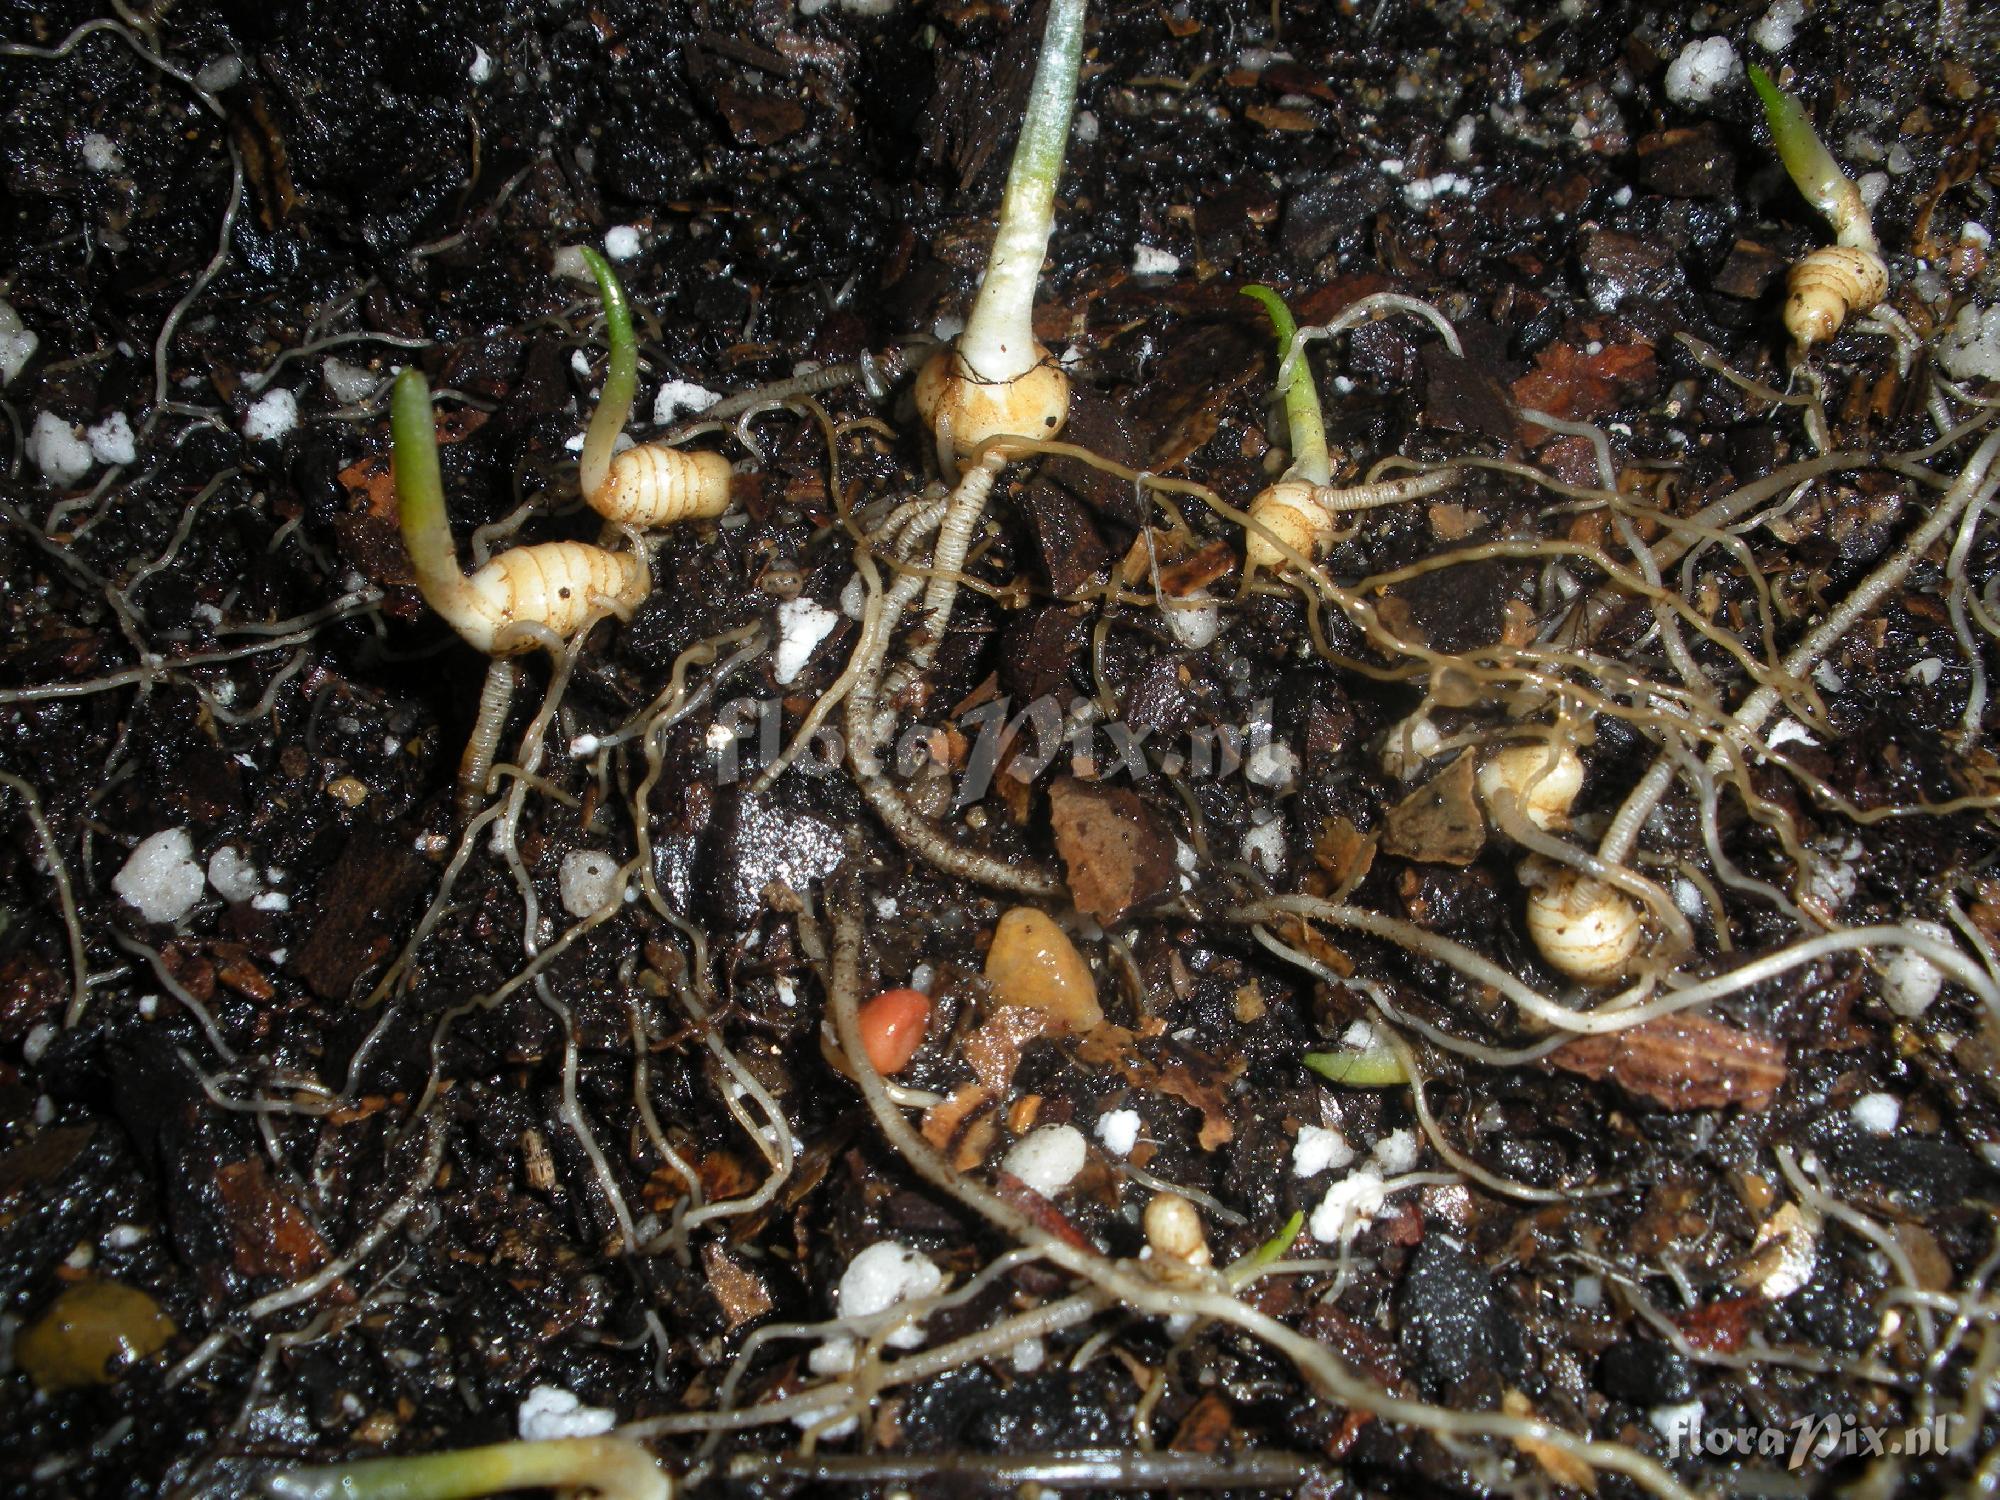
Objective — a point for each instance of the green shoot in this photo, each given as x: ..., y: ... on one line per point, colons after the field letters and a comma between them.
x: 1307, y: 428
x: 610, y: 1468
x: 420, y: 495
x: 998, y: 343
x: 621, y: 377
x: 1812, y: 167
x: 1360, y: 1068
x: 1276, y: 1248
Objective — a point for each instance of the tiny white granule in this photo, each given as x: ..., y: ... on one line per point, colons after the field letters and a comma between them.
x: 1971, y: 351
x: 100, y: 154
x: 1348, y: 1204
x: 1048, y: 1159
x: 125, y: 1236
x: 883, y: 1275
x: 1272, y: 765
x: 233, y: 876
x: 1926, y: 672
x: 1871, y: 186
x: 579, y: 362
x: 834, y: 1357
x: 922, y: 977
x: 1028, y: 1355
x: 1408, y: 746
x: 788, y: 993
x: 271, y: 416
x: 271, y: 901
x: 1083, y: 129
x: 621, y: 242
x: 1398, y: 1151
x: 1319, y: 1149
x: 1679, y: 1424
x: 854, y: 598
x: 1688, y: 899
x: 1150, y: 261
x: 588, y: 881
x: 481, y: 68
x: 586, y: 744
x: 1779, y: 25
x: 1701, y: 69
x: 1791, y: 731
x: 1588, y: 1292
x: 1264, y: 845
x: 1876, y: 1113
x: 18, y: 343
x: 58, y: 450
x: 219, y: 73
x: 1910, y: 982
x: 947, y: 326
x: 112, y: 442
x: 679, y: 396
x: 886, y: 907
x: 1361, y: 1036
x: 1458, y: 145
x: 549, y: 1411
x: 802, y: 625
x: 36, y: 1044
x: 1974, y: 233
x: 160, y: 877
x: 568, y: 264
x: 1195, y: 628
x: 1118, y: 1129
x: 1827, y: 675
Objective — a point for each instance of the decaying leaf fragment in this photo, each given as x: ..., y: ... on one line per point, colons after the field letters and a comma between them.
x: 1682, y: 1062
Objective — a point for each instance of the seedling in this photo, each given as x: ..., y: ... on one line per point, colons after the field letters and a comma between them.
x: 525, y: 595
x: 1835, y: 280
x: 1296, y: 516
x: 651, y: 484
x: 998, y: 380
x: 608, y: 1468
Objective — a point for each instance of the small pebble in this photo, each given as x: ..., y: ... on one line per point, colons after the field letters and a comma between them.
x: 1033, y: 963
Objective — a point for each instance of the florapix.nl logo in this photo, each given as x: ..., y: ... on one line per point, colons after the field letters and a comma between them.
x: 994, y: 738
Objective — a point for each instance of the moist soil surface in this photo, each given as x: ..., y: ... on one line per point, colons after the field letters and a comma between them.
x: 374, y: 1130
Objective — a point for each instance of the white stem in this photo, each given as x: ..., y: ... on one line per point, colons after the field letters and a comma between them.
x: 999, y: 339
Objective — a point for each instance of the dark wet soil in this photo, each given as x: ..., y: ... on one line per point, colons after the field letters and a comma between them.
x: 378, y: 1215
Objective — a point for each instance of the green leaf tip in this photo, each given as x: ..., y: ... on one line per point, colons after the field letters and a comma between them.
x: 621, y: 376
x: 1809, y: 164
x: 1282, y: 322
x: 1374, y: 1068
x: 1306, y: 428
x: 420, y: 503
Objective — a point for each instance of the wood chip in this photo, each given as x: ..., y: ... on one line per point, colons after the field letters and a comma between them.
x: 1564, y: 1467
x: 739, y: 1294
x: 1682, y: 1062
x: 1112, y: 846
x: 1439, y: 822
x: 270, y: 1234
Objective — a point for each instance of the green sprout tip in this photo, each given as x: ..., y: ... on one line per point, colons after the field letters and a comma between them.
x: 1811, y: 166
x: 609, y: 1468
x: 420, y: 493
x: 1276, y: 1248
x: 1360, y: 1068
x: 621, y: 377
x: 1307, y: 428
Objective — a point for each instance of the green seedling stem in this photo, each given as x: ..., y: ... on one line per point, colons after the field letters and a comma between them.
x: 621, y: 377
x: 420, y: 496
x: 1812, y: 166
x: 1307, y: 428
x: 999, y: 338
x: 609, y: 1468
x: 1273, y: 1249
